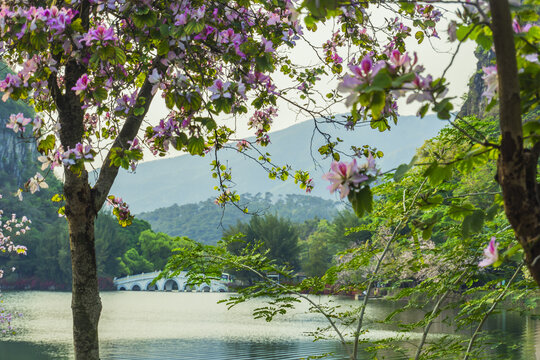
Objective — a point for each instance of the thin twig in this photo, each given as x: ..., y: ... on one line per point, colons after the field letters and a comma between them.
x: 370, y: 284
x: 433, y: 317
x: 495, y: 303
x: 300, y: 295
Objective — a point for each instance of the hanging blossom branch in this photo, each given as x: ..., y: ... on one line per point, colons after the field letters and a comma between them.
x: 10, y: 228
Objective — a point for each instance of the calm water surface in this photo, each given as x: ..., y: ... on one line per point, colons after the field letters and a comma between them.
x: 170, y: 325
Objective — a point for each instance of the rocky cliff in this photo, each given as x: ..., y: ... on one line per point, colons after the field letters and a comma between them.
x: 475, y: 104
x: 16, y: 153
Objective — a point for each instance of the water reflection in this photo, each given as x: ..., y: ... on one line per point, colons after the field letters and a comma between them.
x: 158, y: 325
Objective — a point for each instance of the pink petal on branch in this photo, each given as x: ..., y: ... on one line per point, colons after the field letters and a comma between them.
x: 491, y: 254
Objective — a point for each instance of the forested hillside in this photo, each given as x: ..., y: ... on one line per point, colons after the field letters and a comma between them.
x: 205, y: 222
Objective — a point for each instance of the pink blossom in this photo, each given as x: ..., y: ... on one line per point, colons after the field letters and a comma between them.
x: 267, y: 45
x: 397, y: 59
x: 343, y: 176
x: 81, y: 85
x: 220, y: 89
x: 273, y: 19
x: 100, y: 33
x: 491, y: 254
x: 18, y: 122
x: 491, y: 80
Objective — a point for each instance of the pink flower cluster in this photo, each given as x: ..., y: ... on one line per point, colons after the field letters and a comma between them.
x: 162, y: 134
x: 220, y: 89
x: 121, y: 208
x: 36, y: 183
x: 17, y: 123
x: 261, y: 122
x: 8, y: 229
x: 242, y: 145
x: 79, y: 152
x: 349, y: 176
x: 101, y: 35
x: 67, y: 158
x: 330, y: 48
x: 33, y: 18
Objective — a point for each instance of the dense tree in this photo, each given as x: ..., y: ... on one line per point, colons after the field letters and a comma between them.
x: 133, y: 263
x: 157, y: 248
x: 277, y: 235
x: 91, y: 70
x: 316, y: 257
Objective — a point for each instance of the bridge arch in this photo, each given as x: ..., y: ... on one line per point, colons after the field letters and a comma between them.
x: 150, y: 287
x: 205, y: 288
x: 136, y: 287
x: 170, y: 285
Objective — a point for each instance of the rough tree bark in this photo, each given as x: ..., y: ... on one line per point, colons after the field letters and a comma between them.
x: 517, y: 166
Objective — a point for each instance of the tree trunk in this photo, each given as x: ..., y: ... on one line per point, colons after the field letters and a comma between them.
x: 517, y: 166
x: 85, y: 302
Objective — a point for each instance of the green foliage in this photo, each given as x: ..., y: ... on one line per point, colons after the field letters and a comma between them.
x: 208, y: 225
x: 157, y: 248
x: 277, y: 236
x: 421, y: 246
x: 133, y: 263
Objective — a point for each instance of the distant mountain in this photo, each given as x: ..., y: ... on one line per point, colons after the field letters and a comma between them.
x: 210, y: 220
x: 187, y: 179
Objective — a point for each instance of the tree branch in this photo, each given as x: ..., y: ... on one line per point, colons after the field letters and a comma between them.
x: 497, y: 300
x: 371, y: 282
x: 128, y: 132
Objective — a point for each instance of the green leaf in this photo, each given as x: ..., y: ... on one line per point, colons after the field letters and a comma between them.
x: 47, y: 144
x: 163, y: 47
x: 193, y: 27
x: 419, y: 36
x: 396, y: 83
x: 100, y: 94
x: 402, y: 169
x: 484, y: 41
x: 76, y: 25
x: 148, y: 18
x: 263, y: 64
x: 196, y: 145
x: 438, y: 173
x: 169, y: 100
x: 378, y: 101
x: 472, y: 223
x: 164, y: 30
x: 380, y: 82
x: 462, y: 31
x: 380, y: 124
x: 458, y: 212
x: 361, y: 201
x: 120, y: 55
x: 311, y: 23
x: 138, y: 111
x: 443, y: 109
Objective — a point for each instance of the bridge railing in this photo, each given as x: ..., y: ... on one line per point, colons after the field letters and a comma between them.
x: 138, y: 276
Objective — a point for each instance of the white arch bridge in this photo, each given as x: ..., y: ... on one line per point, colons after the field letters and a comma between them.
x: 143, y: 282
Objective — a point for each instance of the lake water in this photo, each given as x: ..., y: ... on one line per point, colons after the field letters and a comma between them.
x: 172, y: 325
